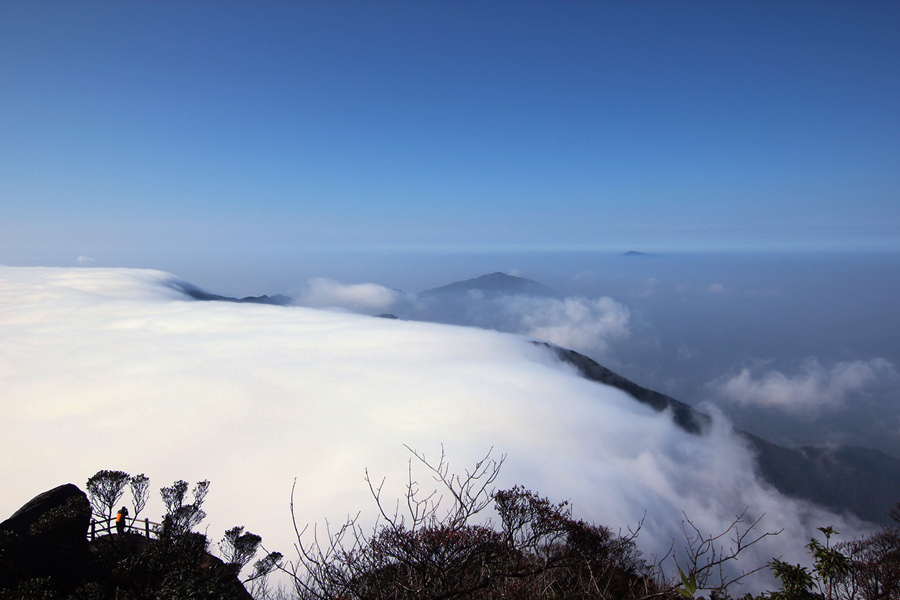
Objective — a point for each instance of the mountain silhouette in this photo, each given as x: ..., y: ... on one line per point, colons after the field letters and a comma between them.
x: 862, y: 481
x: 198, y: 294
x: 636, y: 254
x: 498, y: 284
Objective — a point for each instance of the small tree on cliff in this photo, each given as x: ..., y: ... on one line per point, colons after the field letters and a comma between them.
x: 105, y: 489
x: 182, y: 516
x: 238, y: 547
x: 140, y: 492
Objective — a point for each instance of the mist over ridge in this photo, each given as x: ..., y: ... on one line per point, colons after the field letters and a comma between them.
x: 793, y: 346
x: 124, y: 366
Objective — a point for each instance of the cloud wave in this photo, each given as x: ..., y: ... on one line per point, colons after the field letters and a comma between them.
x: 115, y: 368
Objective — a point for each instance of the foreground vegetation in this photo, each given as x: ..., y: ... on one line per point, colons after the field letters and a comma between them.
x: 538, y: 550
x: 438, y: 547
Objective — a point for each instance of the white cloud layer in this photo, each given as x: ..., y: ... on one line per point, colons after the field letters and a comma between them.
x: 359, y: 297
x: 578, y: 323
x: 582, y: 324
x: 114, y: 368
x: 814, y: 388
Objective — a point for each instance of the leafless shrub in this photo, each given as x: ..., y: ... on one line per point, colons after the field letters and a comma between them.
x: 428, y: 545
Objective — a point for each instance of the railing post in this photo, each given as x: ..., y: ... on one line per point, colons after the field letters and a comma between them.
x: 104, y: 527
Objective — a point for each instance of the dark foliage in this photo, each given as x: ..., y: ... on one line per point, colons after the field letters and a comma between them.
x: 176, y: 566
x: 105, y: 488
x: 182, y: 516
x: 864, y: 569
x: 238, y: 546
x: 874, y: 571
x: 51, y: 558
x: 535, y: 550
x: 64, y: 524
x: 539, y: 550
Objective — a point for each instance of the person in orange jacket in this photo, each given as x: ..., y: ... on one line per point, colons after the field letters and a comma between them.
x: 120, y: 520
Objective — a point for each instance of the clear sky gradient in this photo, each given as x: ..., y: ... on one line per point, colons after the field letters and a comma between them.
x: 287, y: 126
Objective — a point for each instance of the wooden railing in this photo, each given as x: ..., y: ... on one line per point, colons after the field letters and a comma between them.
x: 144, y: 527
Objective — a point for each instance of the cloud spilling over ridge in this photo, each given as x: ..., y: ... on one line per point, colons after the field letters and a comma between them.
x: 105, y: 368
x: 582, y: 324
x: 578, y: 323
x: 813, y: 389
x: 360, y: 297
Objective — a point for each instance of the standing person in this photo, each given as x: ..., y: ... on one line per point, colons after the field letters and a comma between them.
x: 120, y: 520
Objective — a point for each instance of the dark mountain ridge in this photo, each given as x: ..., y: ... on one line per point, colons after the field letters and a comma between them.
x: 198, y: 294
x: 861, y: 481
x: 684, y: 415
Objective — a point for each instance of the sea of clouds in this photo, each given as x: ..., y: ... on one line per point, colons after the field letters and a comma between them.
x: 118, y: 369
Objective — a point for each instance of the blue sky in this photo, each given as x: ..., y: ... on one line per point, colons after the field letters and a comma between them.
x: 154, y: 127
x: 252, y: 146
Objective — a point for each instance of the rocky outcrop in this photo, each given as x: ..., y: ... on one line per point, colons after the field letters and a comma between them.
x: 44, y: 552
x: 46, y: 540
x: 46, y: 503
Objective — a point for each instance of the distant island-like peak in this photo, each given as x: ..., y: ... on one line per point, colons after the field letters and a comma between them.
x: 494, y: 283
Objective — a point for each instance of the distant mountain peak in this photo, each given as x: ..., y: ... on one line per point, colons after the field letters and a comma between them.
x: 496, y: 283
x: 503, y: 279
x: 635, y: 253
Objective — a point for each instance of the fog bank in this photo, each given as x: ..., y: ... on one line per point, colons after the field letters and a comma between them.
x: 116, y: 368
